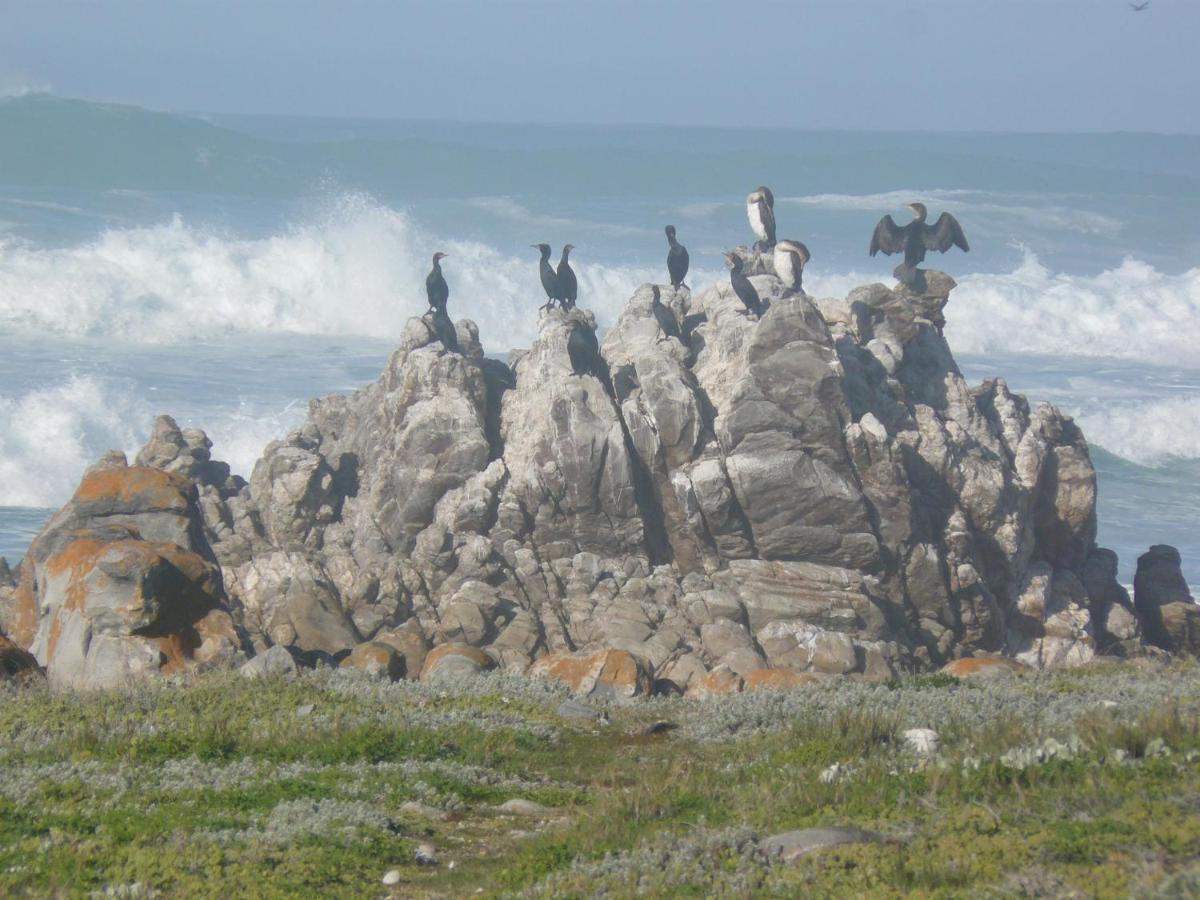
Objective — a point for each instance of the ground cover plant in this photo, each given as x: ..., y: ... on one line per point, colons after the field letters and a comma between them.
x: 1085, y: 781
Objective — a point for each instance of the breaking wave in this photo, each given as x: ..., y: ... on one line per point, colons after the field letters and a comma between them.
x: 358, y: 267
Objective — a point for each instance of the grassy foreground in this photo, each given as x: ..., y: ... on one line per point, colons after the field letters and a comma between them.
x: 1076, y: 784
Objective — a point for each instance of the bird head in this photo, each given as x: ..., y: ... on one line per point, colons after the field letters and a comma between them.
x: 918, y: 210
x: 655, y: 296
x: 439, y: 256
x: 567, y: 248
x: 733, y: 261
x: 544, y: 248
x: 670, y: 229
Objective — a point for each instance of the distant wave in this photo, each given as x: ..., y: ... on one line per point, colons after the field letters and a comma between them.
x: 1150, y: 433
x: 1054, y: 216
x: 1132, y: 312
x: 358, y: 267
x: 355, y: 268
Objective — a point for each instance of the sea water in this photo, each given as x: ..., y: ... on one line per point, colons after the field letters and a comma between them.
x: 226, y: 270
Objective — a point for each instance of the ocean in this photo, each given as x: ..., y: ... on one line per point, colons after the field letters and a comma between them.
x: 227, y: 269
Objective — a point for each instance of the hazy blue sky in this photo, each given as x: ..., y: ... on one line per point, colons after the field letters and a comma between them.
x: 1060, y: 65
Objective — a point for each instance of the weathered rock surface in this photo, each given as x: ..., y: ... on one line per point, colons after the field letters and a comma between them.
x: 758, y: 502
x: 121, y: 582
x: 1169, y: 615
x: 17, y: 664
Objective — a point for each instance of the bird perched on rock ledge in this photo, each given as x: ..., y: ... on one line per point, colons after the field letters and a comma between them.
x: 549, y: 277
x: 760, y: 210
x: 790, y: 259
x: 436, y: 289
x: 677, y: 259
x: 742, y: 286
x: 568, y: 284
x: 914, y: 239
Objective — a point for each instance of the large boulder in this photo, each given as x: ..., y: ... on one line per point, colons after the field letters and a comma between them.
x: 121, y: 582
x: 1170, y: 617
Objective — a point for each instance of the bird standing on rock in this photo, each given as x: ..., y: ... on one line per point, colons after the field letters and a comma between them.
x: 790, y: 259
x: 664, y: 316
x: 568, y: 284
x: 445, y: 330
x: 436, y: 288
x: 549, y: 277
x: 677, y: 259
x: 742, y: 286
x: 760, y: 210
x: 915, y: 238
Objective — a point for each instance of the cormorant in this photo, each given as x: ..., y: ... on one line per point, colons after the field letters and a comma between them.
x: 915, y: 238
x: 742, y: 286
x: 760, y: 210
x: 568, y: 284
x: 549, y: 277
x: 436, y: 288
x: 445, y: 330
x: 677, y: 259
x: 666, y: 318
x: 790, y: 259
x: 1139, y: 7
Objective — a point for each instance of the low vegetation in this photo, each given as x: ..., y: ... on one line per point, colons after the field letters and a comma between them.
x: 1084, y: 782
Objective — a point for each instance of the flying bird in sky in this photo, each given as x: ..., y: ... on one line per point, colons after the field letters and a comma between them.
x: 1138, y: 7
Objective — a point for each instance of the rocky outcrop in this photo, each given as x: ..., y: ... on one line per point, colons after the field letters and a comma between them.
x: 815, y: 493
x: 121, y: 582
x: 1169, y: 615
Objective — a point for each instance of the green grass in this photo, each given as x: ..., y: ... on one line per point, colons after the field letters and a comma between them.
x: 222, y: 787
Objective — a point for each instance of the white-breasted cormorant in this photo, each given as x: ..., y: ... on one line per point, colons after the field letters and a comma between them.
x: 549, y: 277
x: 677, y: 259
x: 915, y: 238
x: 445, y: 330
x: 760, y: 210
x: 790, y: 259
x: 568, y: 284
x: 436, y: 288
x: 742, y: 286
x: 664, y: 316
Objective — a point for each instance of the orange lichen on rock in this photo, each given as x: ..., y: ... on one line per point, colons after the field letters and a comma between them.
x: 613, y: 672
x: 779, y: 679
x: 720, y: 681
x: 984, y: 666
x: 149, y: 488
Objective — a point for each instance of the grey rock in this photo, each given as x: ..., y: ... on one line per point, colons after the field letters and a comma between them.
x: 1169, y: 616
x: 791, y: 846
x: 274, y: 662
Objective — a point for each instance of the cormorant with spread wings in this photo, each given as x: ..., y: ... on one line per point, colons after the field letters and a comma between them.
x: 915, y: 238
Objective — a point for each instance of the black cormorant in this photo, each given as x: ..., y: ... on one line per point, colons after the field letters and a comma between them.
x: 584, y: 352
x: 445, y: 330
x: 666, y: 318
x: 549, y: 277
x: 742, y: 286
x: 760, y: 210
x: 1139, y: 7
x: 436, y: 288
x: 568, y: 284
x: 677, y: 259
x: 790, y: 259
x: 915, y: 238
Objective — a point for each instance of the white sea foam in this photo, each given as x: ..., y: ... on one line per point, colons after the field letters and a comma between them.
x: 1149, y: 433
x: 356, y: 268
x: 50, y: 435
x: 1132, y: 312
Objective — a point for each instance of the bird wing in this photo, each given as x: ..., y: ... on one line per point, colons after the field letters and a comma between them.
x: 945, y: 233
x: 888, y: 237
x: 768, y: 218
x: 800, y: 250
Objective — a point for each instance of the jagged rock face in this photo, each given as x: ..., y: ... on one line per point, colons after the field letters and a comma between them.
x: 121, y: 582
x: 818, y: 491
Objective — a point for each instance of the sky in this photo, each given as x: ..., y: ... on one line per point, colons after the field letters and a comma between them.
x: 962, y: 65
